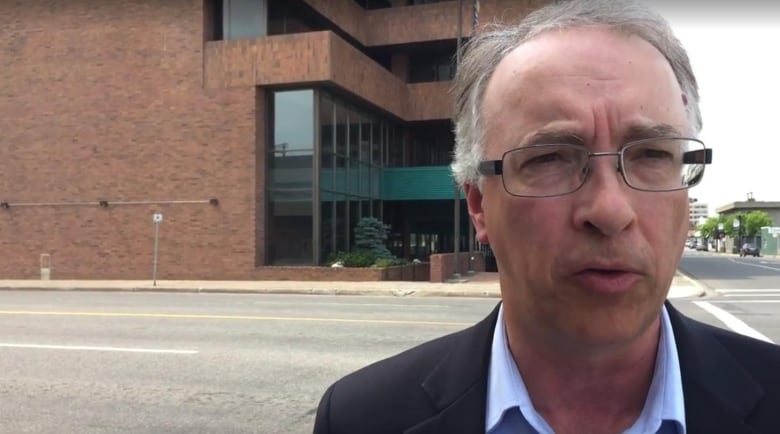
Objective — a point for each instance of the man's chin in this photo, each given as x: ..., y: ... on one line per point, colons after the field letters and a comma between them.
x: 606, y: 327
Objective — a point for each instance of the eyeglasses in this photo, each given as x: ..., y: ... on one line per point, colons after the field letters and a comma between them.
x: 658, y: 164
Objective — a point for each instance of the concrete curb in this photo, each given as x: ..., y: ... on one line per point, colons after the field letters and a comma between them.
x: 286, y: 291
x: 701, y: 290
x: 688, y: 289
x: 684, y: 292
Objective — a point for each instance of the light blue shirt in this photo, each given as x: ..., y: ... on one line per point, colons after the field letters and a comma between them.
x: 509, y: 408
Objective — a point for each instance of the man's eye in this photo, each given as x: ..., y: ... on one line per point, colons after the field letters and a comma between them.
x: 551, y: 157
x: 651, y: 154
x: 657, y: 153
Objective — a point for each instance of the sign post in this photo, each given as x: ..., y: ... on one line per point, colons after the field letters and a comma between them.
x: 157, y: 218
x: 738, y: 236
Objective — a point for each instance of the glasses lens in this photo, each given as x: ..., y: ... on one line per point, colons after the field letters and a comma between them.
x: 544, y: 170
x: 664, y: 164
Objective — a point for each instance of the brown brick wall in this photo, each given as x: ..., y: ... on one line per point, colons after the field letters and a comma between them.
x: 505, y: 10
x: 430, y: 22
x: 273, y: 60
x: 420, y: 23
x: 429, y: 101
x: 105, y: 100
x: 355, y: 72
x: 443, y: 265
x: 314, y: 57
x: 346, y: 14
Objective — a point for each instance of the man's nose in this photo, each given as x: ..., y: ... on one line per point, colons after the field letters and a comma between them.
x: 604, y: 201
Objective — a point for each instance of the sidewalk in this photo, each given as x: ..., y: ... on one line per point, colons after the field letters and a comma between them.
x: 478, y: 285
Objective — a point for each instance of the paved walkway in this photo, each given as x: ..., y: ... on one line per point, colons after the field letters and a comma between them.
x: 478, y: 285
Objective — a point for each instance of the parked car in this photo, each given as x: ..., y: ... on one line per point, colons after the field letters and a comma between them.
x: 749, y: 249
x: 702, y: 246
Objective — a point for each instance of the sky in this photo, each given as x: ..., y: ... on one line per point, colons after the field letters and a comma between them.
x: 734, y: 55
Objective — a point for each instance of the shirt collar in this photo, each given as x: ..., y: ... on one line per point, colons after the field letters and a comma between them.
x: 507, y: 391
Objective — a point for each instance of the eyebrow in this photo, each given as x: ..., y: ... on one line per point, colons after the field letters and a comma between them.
x: 553, y: 136
x: 560, y: 136
x: 639, y: 132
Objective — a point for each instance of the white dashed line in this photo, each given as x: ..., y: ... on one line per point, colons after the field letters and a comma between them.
x: 87, y: 348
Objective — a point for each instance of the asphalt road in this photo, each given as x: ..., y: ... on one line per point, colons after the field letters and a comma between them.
x: 721, y: 271
x: 93, y: 362
x: 747, y: 289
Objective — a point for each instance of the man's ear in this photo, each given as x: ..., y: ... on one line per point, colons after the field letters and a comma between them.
x: 474, y: 202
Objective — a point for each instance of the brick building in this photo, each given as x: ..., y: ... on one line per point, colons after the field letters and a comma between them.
x: 261, y: 129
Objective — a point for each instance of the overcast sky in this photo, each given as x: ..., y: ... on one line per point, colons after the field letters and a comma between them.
x: 734, y: 53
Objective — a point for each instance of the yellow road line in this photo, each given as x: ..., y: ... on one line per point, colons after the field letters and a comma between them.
x: 228, y: 317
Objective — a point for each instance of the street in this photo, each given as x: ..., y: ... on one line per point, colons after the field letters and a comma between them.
x: 99, y: 362
x: 747, y: 288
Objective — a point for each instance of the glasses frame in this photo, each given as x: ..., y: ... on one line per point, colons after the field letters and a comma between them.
x: 703, y: 157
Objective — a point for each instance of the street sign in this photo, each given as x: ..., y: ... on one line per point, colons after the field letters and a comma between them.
x: 774, y: 230
x: 720, y: 226
x: 736, y: 223
x: 157, y: 218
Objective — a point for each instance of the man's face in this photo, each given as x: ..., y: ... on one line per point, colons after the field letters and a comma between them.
x: 592, y: 267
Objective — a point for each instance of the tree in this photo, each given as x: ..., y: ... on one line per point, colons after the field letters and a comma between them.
x: 728, y: 226
x: 709, y: 229
x: 754, y: 221
x: 751, y: 224
x: 370, y: 235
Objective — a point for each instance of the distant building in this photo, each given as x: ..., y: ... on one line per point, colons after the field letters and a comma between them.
x: 744, y: 207
x: 697, y: 211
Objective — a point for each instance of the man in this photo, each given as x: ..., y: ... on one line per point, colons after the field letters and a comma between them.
x: 576, y: 146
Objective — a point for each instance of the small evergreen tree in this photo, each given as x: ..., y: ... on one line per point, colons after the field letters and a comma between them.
x: 370, y: 235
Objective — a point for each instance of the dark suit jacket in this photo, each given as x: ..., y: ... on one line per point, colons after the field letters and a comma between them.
x: 731, y: 385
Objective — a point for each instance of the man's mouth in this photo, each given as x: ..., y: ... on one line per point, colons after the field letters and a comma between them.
x: 607, y: 280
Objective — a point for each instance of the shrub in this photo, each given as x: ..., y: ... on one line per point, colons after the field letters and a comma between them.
x: 357, y: 258
x: 388, y: 262
x: 370, y: 235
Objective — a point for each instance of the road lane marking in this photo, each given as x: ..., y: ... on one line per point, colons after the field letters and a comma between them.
x: 405, y: 306
x: 753, y: 265
x: 230, y: 317
x: 733, y: 301
x: 752, y: 294
x: 731, y: 321
x: 748, y: 291
x: 88, y: 348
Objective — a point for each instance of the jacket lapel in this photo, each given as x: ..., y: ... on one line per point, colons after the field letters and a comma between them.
x: 719, y: 392
x: 458, y: 385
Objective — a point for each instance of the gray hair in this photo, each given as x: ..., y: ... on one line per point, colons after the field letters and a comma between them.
x: 493, y: 42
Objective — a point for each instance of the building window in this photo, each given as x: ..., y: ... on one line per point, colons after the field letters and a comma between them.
x: 426, y: 67
x: 286, y: 17
x: 289, y: 174
x: 353, y: 144
x: 374, y: 4
x: 424, y: 2
x: 234, y: 19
